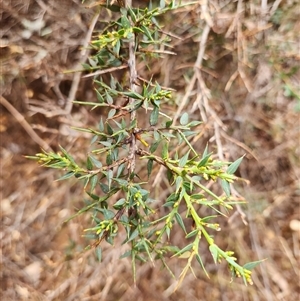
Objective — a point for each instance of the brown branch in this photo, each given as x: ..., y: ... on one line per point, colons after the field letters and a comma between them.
x: 142, y: 152
x: 77, y: 76
x: 103, y: 71
x: 104, y: 168
x: 20, y: 118
x: 85, y: 53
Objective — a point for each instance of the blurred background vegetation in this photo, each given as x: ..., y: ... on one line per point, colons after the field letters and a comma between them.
x: 247, y: 93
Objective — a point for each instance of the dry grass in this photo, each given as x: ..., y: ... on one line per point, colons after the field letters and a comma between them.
x: 247, y: 94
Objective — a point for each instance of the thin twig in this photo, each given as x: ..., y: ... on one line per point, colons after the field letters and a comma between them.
x: 103, y: 71
x: 85, y: 53
x: 218, y: 141
x: 152, y: 85
x: 76, y: 79
x: 158, y: 51
x: 197, y: 65
x: 20, y: 118
x: 240, y: 144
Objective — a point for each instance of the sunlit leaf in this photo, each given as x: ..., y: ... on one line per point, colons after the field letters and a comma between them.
x: 111, y: 113
x: 251, y: 265
x: 214, y: 252
x: 101, y: 125
x: 109, y: 99
x: 184, y: 119
x: 234, y: 166
x: 184, y: 159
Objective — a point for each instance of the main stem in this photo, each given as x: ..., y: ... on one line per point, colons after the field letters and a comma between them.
x: 133, y: 87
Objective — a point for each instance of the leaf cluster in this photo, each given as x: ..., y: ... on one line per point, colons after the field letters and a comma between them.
x: 119, y: 195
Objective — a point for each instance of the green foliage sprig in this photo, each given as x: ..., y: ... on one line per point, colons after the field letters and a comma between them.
x: 121, y: 150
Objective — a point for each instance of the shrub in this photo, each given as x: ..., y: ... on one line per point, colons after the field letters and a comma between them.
x: 125, y: 145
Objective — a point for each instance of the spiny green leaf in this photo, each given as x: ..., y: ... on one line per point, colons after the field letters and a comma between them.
x: 101, y: 125
x: 93, y: 181
x: 251, y: 265
x: 149, y: 167
x: 183, y: 160
x: 89, y: 164
x: 120, y: 170
x: 105, y: 143
x: 109, y: 99
x: 94, y: 139
x: 205, y: 153
x: 189, y: 133
x: 156, y: 135
x: 147, y: 32
x: 125, y: 22
x: 108, y: 214
x: 201, y: 264
x: 97, y: 163
x: 66, y: 176
x: 194, y: 123
x: 111, y: 113
x: 165, y: 151
x: 109, y: 177
x: 134, y: 95
x: 67, y: 155
x: 154, y: 146
x: 185, y: 249
x: 154, y: 116
x: 192, y: 233
x: 162, y: 4
x: 132, y: 15
x: 180, y: 221
x: 226, y: 187
x: 104, y: 187
x: 178, y: 183
x: 204, y: 160
x: 133, y: 235
x: 109, y: 129
x: 234, y: 166
x: 119, y: 204
x: 184, y: 119
x: 214, y: 252
x: 197, y: 196
x: 99, y: 96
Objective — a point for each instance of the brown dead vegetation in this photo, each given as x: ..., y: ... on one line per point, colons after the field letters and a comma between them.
x: 247, y: 94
